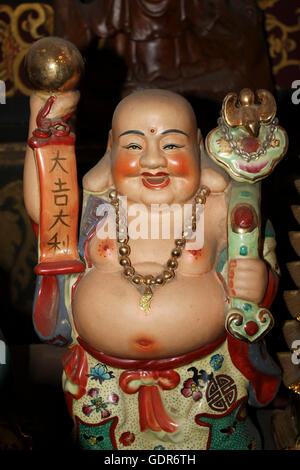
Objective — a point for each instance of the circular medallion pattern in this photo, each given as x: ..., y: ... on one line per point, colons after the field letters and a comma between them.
x: 221, y: 393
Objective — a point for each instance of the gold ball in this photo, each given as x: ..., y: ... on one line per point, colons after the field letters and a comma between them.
x: 123, y: 239
x: 160, y: 280
x: 176, y: 252
x: 124, y: 250
x: 149, y: 279
x: 200, y: 199
x: 168, y: 274
x: 113, y: 194
x: 54, y: 64
x: 137, y: 279
x: 129, y: 271
x: 172, y: 263
x: 180, y: 242
x: 205, y: 190
x: 124, y: 261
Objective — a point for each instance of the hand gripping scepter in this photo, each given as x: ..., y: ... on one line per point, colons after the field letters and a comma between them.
x: 248, y: 143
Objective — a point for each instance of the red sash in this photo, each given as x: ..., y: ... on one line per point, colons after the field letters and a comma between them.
x: 151, y: 410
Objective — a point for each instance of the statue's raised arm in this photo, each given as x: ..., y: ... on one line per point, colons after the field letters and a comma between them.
x: 54, y: 67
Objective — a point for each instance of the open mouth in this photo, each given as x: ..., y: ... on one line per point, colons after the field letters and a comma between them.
x: 155, y: 180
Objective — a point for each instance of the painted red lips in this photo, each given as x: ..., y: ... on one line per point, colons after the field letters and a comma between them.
x: 157, y: 180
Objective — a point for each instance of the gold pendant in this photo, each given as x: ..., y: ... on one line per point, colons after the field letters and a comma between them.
x: 145, y: 302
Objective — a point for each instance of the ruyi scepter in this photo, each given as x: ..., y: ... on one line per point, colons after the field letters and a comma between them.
x: 248, y: 143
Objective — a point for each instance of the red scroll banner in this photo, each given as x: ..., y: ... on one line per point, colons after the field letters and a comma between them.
x: 53, y: 146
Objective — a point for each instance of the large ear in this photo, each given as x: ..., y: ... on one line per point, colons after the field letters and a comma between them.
x: 99, y: 178
x: 199, y: 137
x: 214, y: 180
x: 109, y: 142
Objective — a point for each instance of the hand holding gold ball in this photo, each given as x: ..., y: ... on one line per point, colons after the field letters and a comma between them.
x: 54, y: 68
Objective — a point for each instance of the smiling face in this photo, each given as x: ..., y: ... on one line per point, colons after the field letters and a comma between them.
x: 155, y: 148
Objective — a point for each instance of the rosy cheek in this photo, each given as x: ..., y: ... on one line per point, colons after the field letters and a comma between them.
x: 125, y: 166
x: 181, y: 165
x: 105, y: 248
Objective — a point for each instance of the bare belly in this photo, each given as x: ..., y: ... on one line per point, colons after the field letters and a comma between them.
x: 186, y: 314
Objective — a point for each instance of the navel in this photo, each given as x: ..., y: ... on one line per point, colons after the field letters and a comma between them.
x: 144, y: 343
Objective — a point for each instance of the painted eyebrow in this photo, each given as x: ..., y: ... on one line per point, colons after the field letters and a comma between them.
x: 133, y: 131
x: 174, y: 130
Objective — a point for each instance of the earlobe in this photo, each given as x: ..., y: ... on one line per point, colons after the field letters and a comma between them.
x: 214, y: 180
x: 99, y: 178
x: 200, y: 143
x: 109, y: 142
x: 199, y: 137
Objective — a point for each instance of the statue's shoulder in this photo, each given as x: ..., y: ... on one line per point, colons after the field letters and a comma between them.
x: 215, y: 180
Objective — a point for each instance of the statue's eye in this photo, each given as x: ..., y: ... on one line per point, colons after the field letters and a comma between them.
x: 133, y: 147
x: 172, y: 146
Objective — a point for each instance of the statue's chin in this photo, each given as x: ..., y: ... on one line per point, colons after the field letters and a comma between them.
x: 168, y: 196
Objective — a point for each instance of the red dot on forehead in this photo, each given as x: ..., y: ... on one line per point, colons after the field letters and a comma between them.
x: 152, y: 130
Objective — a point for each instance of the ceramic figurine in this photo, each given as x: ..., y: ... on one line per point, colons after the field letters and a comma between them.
x: 164, y: 332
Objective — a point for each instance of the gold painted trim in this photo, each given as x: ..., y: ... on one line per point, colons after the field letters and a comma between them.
x: 286, y: 44
x: 295, y: 387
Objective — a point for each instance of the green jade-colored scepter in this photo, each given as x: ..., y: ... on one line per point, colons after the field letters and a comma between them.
x: 248, y: 144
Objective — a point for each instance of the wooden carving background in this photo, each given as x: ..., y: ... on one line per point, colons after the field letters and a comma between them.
x: 23, y: 23
x: 282, y: 25
x: 20, y: 26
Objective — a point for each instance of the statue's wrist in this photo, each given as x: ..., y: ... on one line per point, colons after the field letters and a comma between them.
x: 64, y: 104
x: 271, y: 289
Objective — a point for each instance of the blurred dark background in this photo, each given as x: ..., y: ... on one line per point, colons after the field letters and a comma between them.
x: 223, y: 46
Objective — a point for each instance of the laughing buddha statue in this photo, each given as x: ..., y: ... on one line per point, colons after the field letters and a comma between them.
x: 164, y: 333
